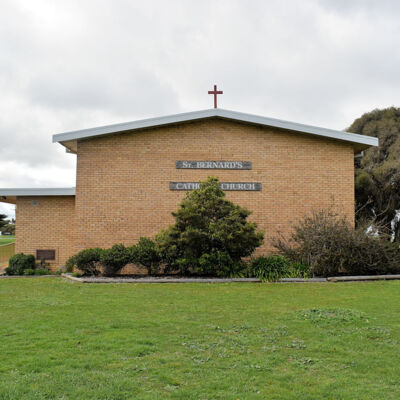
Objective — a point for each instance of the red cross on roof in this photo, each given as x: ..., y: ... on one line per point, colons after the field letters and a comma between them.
x: 215, y: 92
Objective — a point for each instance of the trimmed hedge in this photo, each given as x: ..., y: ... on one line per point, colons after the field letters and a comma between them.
x: 87, y: 261
x: 146, y: 253
x: 19, y: 263
x: 114, y: 259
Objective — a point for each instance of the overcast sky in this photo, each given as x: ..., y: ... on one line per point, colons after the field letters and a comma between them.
x: 72, y: 64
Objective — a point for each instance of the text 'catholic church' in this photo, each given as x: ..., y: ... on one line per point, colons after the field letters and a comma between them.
x: 131, y: 176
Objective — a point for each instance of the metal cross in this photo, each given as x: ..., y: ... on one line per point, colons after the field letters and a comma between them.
x: 215, y: 92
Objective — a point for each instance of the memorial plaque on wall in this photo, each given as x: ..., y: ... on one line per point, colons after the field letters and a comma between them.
x: 234, y: 186
x: 213, y: 164
x: 46, y: 255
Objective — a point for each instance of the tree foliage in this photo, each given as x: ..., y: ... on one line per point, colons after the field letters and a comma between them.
x: 210, y: 236
x: 3, y: 220
x: 87, y: 260
x: 377, y: 174
x: 114, y: 259
x: 19, y: 263
x: 146, y: 253
x: 8, y: 229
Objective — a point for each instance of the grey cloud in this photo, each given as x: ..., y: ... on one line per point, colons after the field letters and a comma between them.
x: 126, y: 91
x: 70, y: 64
x: 375, y: 8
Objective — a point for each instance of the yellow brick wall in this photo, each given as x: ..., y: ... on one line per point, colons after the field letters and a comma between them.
x: 46, y: 223
x: 123, y: 180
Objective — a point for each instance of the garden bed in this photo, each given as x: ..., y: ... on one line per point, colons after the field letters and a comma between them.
x: 183, y: 279
x: 27, y: 276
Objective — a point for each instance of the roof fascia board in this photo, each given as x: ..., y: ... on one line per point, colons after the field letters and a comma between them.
x: 140, y: 124
x: 37, y: 192
x: 217, y: 112
x: 294, y: 126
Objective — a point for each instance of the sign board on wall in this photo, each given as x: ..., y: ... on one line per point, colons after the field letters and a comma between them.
x: 234, y: 186
x: 238, y: 186
x: 49, y: 255
x: 213, y: 164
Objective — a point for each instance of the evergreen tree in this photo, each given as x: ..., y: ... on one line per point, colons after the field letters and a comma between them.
x: 3, y: 220
x: 210, y: 236
x: 377, y: 173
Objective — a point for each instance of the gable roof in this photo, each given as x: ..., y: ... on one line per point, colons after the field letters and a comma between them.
x: 69, y: 139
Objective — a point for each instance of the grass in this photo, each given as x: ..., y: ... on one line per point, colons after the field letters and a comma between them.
x: 6, y: 239
x: 63, y: 340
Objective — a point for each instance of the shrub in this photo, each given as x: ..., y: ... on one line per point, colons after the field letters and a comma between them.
x: 299, y: 270
x: 88, y: 261
x: 18, y: 263
x: 373, y: 256
x: 146, y: 253
x: 42, y: 264
x: 208, y: 229
x: 77, y: 274
x: 114, y: 259
x: 219, y: 263
x: 70, y: 264
x: 270, y: 268
x: 42, y: 271
x: 331, y: 246
x: 29, y: 271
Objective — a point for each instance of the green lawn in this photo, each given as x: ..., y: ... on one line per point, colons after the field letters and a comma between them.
x: 64, y: 340
x: 4, y: 239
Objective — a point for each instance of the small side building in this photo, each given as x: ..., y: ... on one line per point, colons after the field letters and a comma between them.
x: 131, y: 176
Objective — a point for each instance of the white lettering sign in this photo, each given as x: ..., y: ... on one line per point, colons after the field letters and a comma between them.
x: 229, y: 186
x: 213, y: 165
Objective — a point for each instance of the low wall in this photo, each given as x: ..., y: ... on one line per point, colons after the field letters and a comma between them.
x: 6, y: 251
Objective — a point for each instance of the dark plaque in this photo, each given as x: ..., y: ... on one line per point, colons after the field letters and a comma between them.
x: 45, y: 255
x: 213, y: 164
x: 237, y: 186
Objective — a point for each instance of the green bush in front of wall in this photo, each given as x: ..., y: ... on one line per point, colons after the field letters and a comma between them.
x: 70, y: 264
x: 271, y: 268
x: 18, y: 263
x: 88, y: 261
x: 114, y: 259
x: 146, y: 253
x: 211, y: 235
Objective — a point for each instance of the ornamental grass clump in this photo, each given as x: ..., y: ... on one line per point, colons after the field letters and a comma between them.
x: 275, y: 267
x: 269, y: 269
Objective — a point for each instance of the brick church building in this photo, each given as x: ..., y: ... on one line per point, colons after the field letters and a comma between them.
x: 131, y: 176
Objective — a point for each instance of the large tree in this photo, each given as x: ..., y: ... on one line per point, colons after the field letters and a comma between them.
x: 377, y: 173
